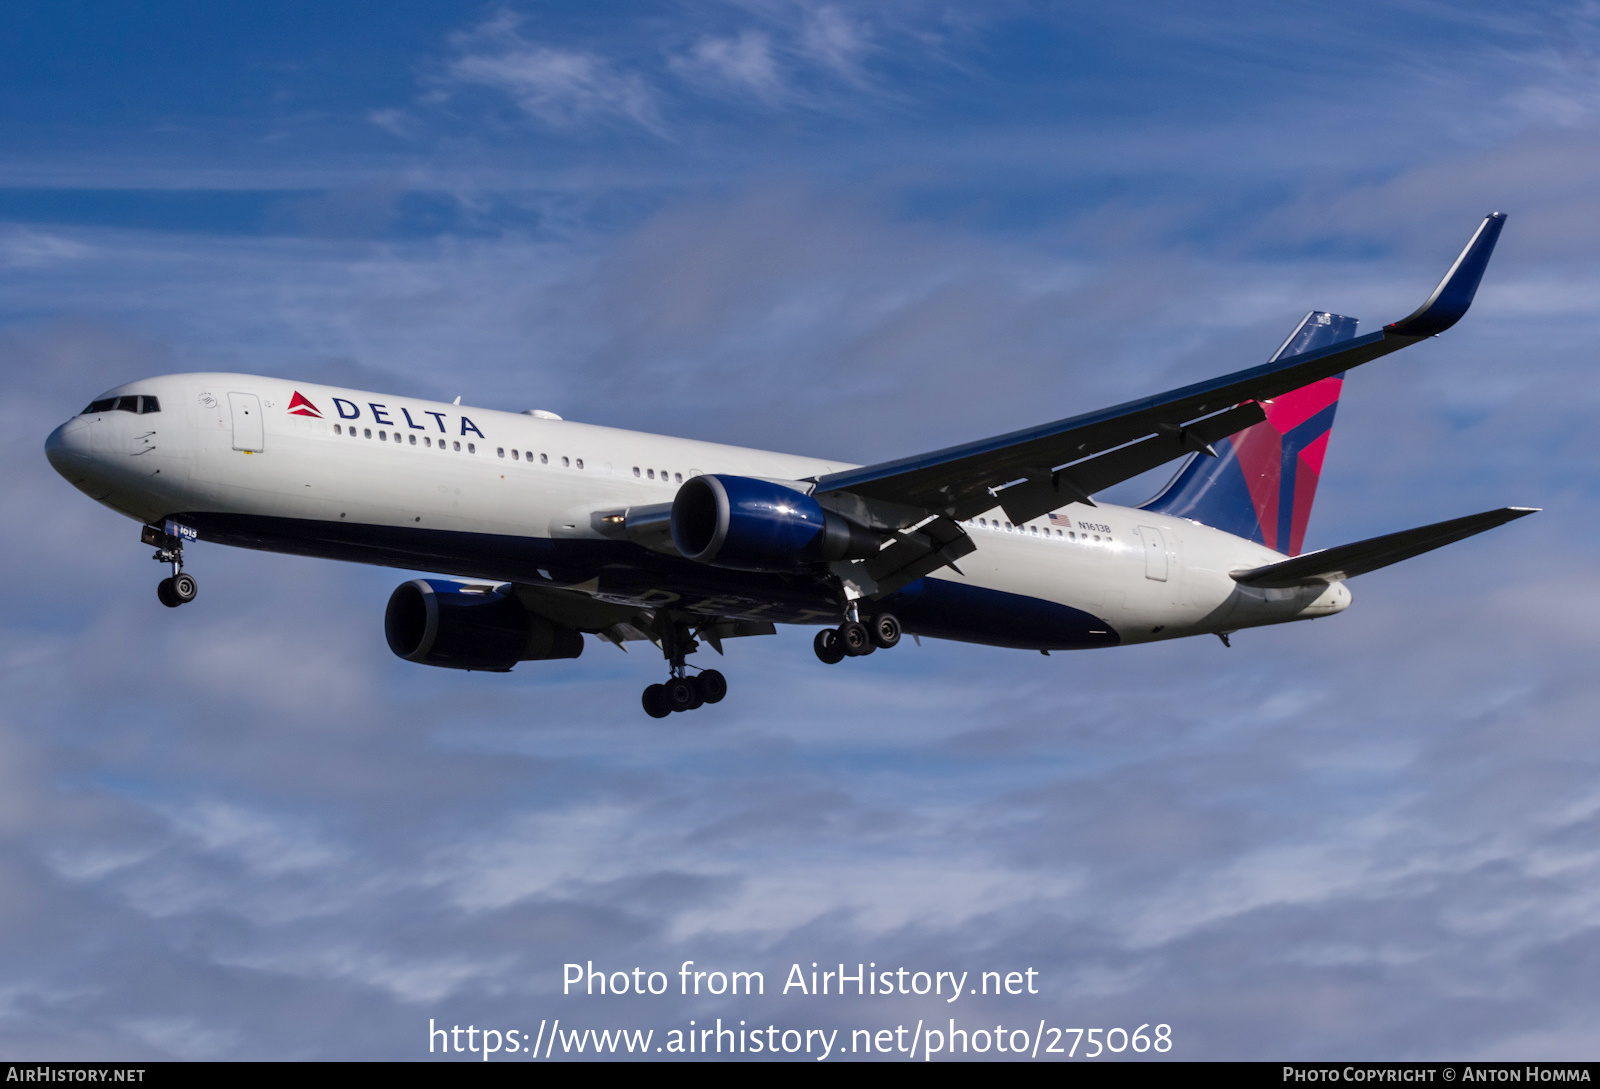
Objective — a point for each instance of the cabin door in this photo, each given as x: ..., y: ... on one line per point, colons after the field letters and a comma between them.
x: 1155, y: 553
x: 248, y: 433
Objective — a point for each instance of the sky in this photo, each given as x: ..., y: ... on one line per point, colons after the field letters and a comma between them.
x: 244, y: 830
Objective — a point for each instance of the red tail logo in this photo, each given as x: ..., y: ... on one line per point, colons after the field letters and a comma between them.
x: 299, y: 406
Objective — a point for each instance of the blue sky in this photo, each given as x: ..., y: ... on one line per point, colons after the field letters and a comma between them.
x: 245, y: 830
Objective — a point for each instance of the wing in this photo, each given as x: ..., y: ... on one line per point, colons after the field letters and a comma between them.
x: 1348, y: 561
x: 1042, y: 468
x: 572, y: 607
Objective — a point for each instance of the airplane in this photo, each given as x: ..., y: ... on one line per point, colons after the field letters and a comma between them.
x: 549, y: 529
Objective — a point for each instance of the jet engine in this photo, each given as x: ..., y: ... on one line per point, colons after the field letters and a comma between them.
x: 471, y: 626
x: 761, y: 525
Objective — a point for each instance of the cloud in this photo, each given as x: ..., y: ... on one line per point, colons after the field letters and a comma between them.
x: 831, y: 38
x: 743, y: 63
x: 564, y: 88
x: 395, y: 121
x: 27, y: 248
x: 667, y: 76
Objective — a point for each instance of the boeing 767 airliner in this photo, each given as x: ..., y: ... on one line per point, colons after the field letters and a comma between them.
x: 552, y: 529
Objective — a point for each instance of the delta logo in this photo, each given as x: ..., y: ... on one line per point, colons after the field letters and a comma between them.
x: 299, y: 406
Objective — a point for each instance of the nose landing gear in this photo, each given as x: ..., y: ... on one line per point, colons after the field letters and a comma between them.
x: 180, y: 587
x: 855, y: 639
x: 175, y: 590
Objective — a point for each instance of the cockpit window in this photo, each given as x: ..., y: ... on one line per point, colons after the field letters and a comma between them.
x: 142, y: 405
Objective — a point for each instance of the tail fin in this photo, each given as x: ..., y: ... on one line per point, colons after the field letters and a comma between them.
x: 1261, y: 483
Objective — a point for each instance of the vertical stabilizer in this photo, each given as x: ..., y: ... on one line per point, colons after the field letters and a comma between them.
x: 1263, y: 479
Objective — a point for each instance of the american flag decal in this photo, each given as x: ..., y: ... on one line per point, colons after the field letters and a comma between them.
x: 1061, y: 520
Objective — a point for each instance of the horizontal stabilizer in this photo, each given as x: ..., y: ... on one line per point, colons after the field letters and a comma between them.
x: 1348, y: 561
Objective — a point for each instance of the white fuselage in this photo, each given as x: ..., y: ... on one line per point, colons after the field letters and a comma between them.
x: 234, y: 448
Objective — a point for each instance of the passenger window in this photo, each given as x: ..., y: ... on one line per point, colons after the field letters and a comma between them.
x: 456, y: 444
x: 516, y: 455
x: 677, y: 478
x: 337, y: 430
x: 566, y: 464
x: 426, y: 441
x: 472, y: 448
x: 367, y: 431
x: 651, y: 473
x: 500, y: 451
x: 544, y: 459
x: 383, y: 436
x: 413, y: 440
x: 635, y: 470
x: 580, y: 463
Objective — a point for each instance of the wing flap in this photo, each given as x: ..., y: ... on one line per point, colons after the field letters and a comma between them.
x: 715, y: 633
x: 921, y: 552
x: 1039, y: 495
x: 1349, y: 560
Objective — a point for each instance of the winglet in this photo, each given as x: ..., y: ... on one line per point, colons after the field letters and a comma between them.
x: 1451, y: 298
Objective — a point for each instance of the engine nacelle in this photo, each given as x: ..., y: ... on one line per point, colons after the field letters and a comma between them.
x: 470, y: 626
x: 757, y: 525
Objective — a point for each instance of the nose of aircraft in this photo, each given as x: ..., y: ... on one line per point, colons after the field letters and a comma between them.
x: 68, y: 448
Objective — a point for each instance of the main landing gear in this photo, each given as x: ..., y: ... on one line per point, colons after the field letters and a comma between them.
x: 855, y: 638
x: 683, y: 691
x: 179, y: 588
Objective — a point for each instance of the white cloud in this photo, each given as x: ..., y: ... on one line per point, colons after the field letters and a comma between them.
x: 833, y: 39
x: 398, y: 122
x: 564, y: 88
x: 740, y: 63
x: 29, y: 248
